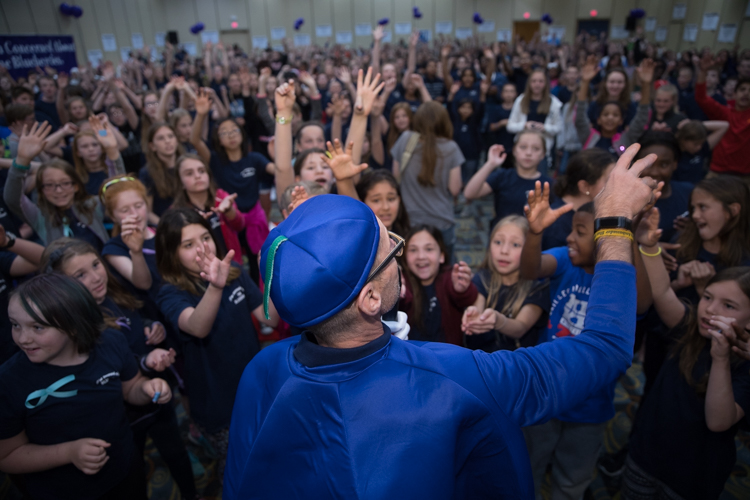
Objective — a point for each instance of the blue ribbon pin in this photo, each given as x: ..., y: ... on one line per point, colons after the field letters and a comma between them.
x: 43, y: 394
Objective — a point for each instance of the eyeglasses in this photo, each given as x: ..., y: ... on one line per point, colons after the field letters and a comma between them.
x: 397, y: 251
x: 229, y: 133
x: 50, y: 188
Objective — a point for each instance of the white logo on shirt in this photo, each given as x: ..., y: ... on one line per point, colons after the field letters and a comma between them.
x: 215, y: 222
x: 3, y: 213
x: 104, y: 379
x: 574, y: 314
x: 237, y: 295
x: 433, y: 304
x: 248, y: 172
x: 464, y: 128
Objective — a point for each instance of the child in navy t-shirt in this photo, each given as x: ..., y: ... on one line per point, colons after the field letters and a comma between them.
x: 509, y: 186
x: 213, y: 308
x: 63, y: 396
x: 697, y: 140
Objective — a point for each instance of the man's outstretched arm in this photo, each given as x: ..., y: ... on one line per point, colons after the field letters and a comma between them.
x: 534, y: 385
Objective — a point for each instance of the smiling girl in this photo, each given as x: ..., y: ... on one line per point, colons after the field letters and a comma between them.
x: 62, y: 419
x: 682, y: 444
x: 211, y: 302
x: 435, y: 295
x: 64, y: 208
x: 509, y: 312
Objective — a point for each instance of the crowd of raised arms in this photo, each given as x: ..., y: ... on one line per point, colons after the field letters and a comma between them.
x: 137, y: 196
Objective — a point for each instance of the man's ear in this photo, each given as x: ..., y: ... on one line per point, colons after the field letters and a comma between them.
x: 369, y: 301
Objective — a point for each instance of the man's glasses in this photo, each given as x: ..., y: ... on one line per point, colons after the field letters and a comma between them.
x: 397, y: 251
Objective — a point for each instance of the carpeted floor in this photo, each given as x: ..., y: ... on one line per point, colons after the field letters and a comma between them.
x: 472, y: 234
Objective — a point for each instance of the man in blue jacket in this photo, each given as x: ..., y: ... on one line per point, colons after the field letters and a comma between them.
x: 347, y: 411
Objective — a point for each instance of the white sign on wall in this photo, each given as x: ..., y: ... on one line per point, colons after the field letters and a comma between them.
x: 136, y: 40
x: 661, y: 34
x: 619, y: 33
x: 109, y: 43
x: 159, y: 38
x: 362, y: 29
x: 504, y: 35
x: 650, y: 24
x: 95, y: 57
x: 679, y: 11
x: 443, y: 27
x: 302, y: 40
x: 323, y: 31
x: 260, y: 42
x: 486, y: 27
x: 209, y: 36
x: 690, y: 33
x: 727, y: 33
x: 710, y: 21
x: 403, y: 28
x: 343, y: 37
x: 463, y: 33
x: 278, y: 32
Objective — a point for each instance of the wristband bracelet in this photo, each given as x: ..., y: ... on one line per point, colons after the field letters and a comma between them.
x: 283, y: 120
x: 658, y: 252
x: 19, y: 167
x: 503, y: 325
x: 615, y: 233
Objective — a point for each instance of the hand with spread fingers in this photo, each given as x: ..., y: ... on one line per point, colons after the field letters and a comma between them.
x: 367, y: 92
x: 340, y: 161
x: 538, y: 211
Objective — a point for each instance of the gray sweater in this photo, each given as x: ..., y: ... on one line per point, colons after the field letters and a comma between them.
x: 30, y: 213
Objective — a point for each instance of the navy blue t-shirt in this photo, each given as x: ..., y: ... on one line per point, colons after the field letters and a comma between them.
x: 159, y: 205
x: 557, y: 234
x: 96, y: 179
x: 670, y: 438
x: 10, y: 221
x: 131, y: 326
x: 672, y: 207
x: 216, y: 362
x: 82, y: 232
x: 693, y: 168
x: 510, y: 191
x: 494, y: 340
x: 495, y: 114
x: 595, y: 109
x: 533, y: 115
x: 432, y: 318
x: 240, y: 177
x: 97, y: 410
x: 7, y: 347
x: 605, y: 143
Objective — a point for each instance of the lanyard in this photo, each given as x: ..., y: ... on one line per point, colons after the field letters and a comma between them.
x: 43, y: 394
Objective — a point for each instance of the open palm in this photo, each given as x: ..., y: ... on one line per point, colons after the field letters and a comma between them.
x: 539, y: 213
x: 367, y: 91
x: 340, y: 161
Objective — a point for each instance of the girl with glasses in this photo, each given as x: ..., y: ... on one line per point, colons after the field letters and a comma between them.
x: 63, y: 208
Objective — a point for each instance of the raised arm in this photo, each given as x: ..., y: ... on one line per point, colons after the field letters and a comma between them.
x: 285, y: 99
x: 202, y: 107
x: 534, y: 264
x: 717, y: 129
x: 669, y: 308
x: 411, y: 60
x: 62, y: 97
x: 713, y: 109
x: 368, y: 88
x: 447, y: 78
x: 166, y: 94
x: 477, y: 186
x: 121, y: 94
x: 556, y: 376
x: 343, y: 167
x: 377, y: 36
x: 722, y: 411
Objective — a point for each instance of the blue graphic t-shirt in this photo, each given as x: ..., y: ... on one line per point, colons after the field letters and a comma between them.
x: 569, y: 289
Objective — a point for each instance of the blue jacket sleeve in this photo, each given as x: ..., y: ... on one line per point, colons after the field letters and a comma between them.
x: 536, y: 384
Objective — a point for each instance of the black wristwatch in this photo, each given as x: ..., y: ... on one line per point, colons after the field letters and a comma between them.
x: 613, y: 223
x: 11, y: 240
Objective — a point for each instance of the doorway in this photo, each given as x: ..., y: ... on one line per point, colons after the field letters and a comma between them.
x: 525, y: 29
x: 594, y: 27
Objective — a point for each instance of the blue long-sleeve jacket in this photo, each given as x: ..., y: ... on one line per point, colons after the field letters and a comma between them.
x: 397, y: 419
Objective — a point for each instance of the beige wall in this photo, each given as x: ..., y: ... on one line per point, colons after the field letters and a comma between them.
x: 257, y: 17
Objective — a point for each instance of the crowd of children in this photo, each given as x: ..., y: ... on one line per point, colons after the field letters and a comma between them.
x: 136, y: 198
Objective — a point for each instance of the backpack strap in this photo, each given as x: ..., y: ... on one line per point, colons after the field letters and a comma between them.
x: 411, y: 145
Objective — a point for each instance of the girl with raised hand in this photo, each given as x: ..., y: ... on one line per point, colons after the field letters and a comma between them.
x: 435, y: 295
x: 200, y: 193
x: 96, y: 156
x: 509, y: 312
x: 63, y: 424
x: 158, y: 173
x: 211, y: 302
x: 235, y: 169
x: 510, y: 185
x: 131, y: 251
x: 64, y: 208
x: 682, y: 444
x: 606, y: 135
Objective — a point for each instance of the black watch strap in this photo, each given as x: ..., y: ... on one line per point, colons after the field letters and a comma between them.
x: 613, y: 223
x: 11, y: 240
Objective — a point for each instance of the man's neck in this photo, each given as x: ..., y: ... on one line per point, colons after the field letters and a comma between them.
x: 364, y: 333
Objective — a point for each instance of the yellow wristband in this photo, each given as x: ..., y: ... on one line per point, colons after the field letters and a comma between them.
x: 615, y: 233
x: 658, y: 252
